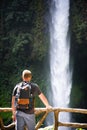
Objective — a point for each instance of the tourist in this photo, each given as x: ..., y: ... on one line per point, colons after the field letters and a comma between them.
x: 23, y: 98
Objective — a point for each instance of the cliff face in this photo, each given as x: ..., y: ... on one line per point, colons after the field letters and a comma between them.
x: 78, y: 26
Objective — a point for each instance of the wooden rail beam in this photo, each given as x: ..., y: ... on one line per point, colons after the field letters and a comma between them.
x: 74, y: 125
x: 7, y: 109
x: 75, y: 110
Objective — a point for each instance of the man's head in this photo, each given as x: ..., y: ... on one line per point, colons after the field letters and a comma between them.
x: 26, y: 75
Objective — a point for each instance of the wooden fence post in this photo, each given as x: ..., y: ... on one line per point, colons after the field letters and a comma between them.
x: 56, y: 114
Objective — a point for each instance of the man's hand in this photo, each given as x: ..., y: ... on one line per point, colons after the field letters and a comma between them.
x: 48, y: 106
x: 14, y: 116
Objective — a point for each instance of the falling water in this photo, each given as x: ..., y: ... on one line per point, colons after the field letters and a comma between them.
x: 59, y: 56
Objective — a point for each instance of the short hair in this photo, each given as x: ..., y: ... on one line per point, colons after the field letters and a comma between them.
x: 26, y: 74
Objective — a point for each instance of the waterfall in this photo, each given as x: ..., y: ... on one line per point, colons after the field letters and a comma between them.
x: 59, y: 57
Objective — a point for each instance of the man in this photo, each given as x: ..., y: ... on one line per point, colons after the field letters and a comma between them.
x: 23, y: 102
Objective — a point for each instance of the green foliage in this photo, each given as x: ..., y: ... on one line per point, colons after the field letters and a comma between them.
x: 23, y: 45
x: 80, y: 129
x: 76, y: 96
x: 79, y: 25
x: 7, y: 117
x: 39, y: 38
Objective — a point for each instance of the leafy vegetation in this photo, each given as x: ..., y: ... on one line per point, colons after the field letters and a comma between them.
x: 23, y: 45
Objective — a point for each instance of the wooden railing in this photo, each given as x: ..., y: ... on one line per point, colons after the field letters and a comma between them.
x: 45, y: 112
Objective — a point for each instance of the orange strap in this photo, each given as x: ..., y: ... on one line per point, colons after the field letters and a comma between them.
x: 23, y: 101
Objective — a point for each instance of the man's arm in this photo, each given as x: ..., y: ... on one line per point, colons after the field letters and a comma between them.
x: 44, y: 100
x: 13, y: 107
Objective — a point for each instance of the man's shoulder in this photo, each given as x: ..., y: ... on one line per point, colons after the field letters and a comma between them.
x: 18, y: 85
x: 34, y: 84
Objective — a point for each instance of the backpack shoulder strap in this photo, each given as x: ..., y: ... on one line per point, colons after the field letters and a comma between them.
x: 19, y: 86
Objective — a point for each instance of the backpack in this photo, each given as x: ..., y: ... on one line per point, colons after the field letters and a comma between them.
x: 24, y: 97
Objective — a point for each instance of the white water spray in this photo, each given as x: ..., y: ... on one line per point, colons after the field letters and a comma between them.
x: 59, y: 56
